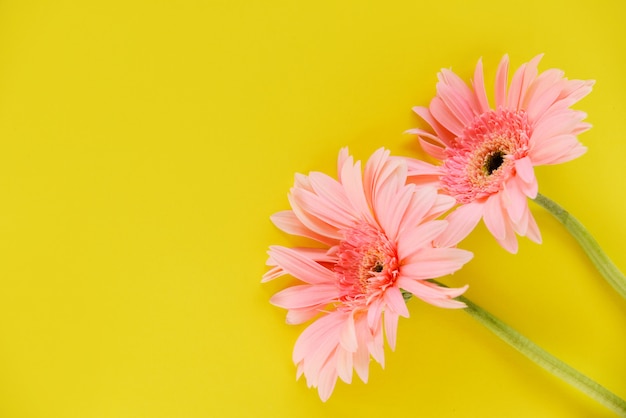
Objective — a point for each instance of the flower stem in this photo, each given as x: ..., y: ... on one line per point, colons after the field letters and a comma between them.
x: 598, y: 257
x: 543, y: 358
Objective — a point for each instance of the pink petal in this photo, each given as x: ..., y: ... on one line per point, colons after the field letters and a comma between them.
x: 494, y: 216
x: 312, y: 222
x: 300, y: 316
x: 362, y: 356
x: 509, y: 242
x: 300, y: 267
x: 327, y: 380
x: 352, y: 181
x: 445, y: 117
x: 554, y: 124
x: 515, y: 200
x: 479, y: 88
x: 460, y: 223
x: 556, y: 150
x: 522, y: 79
x: 395, y: 301
x: 331, y: 191
x: 501, y: 82
x: 457, y: 97
x: 413, y: 240
x: 289, y: 223
x: 391, y: 213
x: 524, y: 169
x: 344, y: 365
x: 348, y: 338
x: 443, y: 135
x: 391, y: 328
x: 343, y: 159
x: 433, y: 294
x: 305, y: 296
x: 532, y: 231
x: 430, y: 263
x: 422, y: 201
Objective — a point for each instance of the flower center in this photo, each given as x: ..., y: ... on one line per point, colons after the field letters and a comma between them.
x: 483, y: 157
x: 494, y: 161
x: 366, y: 266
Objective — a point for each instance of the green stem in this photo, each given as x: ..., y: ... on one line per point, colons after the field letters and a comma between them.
x: 543, y: 358
x: 598, y: 257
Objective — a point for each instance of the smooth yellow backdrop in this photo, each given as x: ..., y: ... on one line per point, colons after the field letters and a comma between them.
x: 144, y: 144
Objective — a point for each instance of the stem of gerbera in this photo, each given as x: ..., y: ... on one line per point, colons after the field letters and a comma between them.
x: 598, y: 257
x: 543, y: 358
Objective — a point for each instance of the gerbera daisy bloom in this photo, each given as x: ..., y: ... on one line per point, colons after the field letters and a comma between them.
x: 489, y: 153
x: 377, y: 236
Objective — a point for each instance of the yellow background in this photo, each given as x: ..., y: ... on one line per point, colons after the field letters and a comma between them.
x: 144, y: 145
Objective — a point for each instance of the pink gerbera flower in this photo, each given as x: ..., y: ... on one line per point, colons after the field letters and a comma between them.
x: 489, y: 153
x: 377, y: 234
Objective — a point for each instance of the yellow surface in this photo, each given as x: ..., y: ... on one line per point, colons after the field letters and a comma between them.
x: 144, y: 145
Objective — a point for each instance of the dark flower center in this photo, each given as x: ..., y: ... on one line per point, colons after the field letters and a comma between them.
x: 493, y: 162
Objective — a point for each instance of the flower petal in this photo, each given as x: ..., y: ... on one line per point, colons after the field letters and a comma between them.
x: 460, y: 223
x: 430, y: 263
x: 300, y: 267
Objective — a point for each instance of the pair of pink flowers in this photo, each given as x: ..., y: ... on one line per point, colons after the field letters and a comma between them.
x: 381, y: 227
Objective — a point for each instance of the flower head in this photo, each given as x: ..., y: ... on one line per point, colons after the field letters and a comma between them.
x: 489, y: 153
x: 377, y: 234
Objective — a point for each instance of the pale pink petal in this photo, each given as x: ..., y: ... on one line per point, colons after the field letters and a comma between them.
x: 391, y: 213
x: 514, y: 200
x: 494, y: 217
x: 543, y: 93
x: 376, y: 346
x: 479, y: 88
x: 551, y: 124
x: 460, y: 223
x: 456, y: 96
x: 417, y: 167
x: 322, y: 332
x: 447, y: 119
x: 348, y: 338
x: 352, y: 182
x: 273, y: 273
x: 362, y: 356
x: 442, y: 204
x: 321, y: 209
x: 344, y: 158
x: 422, y: 201
x: 312, y: 222
x: 509, y: 241
x: 306, y: 295
x: 433, y: 150
x: 395, y: 301
x: 300, y: 267
x: 413, y: 239
x: 300, y: 316
x: 532, y: 231
x: 331, y: 191
x: 344, y: 365
x: 289, y: 223
x: 391, y: 328
x: 374, y: 312
x: 524, y: 169
x: 521, y: 81
x: 501, y: 82
x: 433, y: 294
x: 444, y: 135
x: 430, y: 263
x: 327, y: 380
x: 557, y: 149
x: 576, y: 89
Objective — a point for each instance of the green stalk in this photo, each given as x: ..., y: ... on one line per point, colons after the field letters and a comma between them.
x: 543, y: 358
x: 598, y: 257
